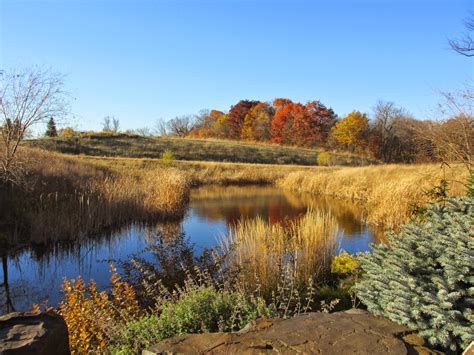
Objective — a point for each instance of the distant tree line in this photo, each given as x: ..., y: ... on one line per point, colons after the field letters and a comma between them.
x: 391, y: 134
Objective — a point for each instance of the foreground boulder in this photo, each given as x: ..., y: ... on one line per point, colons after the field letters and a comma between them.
x: 33, y: 333
x: 353, y: 331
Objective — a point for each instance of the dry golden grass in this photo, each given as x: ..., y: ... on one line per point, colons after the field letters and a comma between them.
x: 386, y: 191
x: 63, y: 197
x: 262, y: 252
x: 86, y: 193
x: 202, y: 173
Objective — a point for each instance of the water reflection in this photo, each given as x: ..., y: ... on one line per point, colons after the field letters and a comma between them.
x: 35, y: 275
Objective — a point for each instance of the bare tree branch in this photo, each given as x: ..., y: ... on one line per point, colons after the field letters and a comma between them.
x: 27, y: 98
x: 465, y: 46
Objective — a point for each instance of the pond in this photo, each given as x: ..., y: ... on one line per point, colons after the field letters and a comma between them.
x: 35, y: 275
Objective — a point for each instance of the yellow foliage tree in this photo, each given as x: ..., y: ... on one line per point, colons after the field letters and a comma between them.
x: 352, y: 130
x: 258, y: 122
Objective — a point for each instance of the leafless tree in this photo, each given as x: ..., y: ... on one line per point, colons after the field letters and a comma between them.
x: 110, y: 124
x: 27, y: 98
x: 453, y: 137
x: 465, y: 46
x: 181, y: 126
x: 160, y: 127
x: 115, y: 125
x: 386, y: 116
x: 106, y: 124
x: 144, y: 132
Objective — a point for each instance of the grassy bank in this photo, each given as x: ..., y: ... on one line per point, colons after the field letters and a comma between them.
x: 189, y: 149
x: 64, y: 194
x: 201, y: 173
x: 387, y: 192
x: 62, y: 198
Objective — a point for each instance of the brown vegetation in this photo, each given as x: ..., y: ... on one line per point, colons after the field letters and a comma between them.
x: 63, y: 197
x: 388, y: 192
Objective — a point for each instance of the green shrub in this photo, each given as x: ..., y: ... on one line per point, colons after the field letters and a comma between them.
x: 425, y: 278
x: 197, y: 310
x: 328, y: 294
x: 167, y: 157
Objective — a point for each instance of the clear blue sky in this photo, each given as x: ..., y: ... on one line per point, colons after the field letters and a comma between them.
x: 141, y: 60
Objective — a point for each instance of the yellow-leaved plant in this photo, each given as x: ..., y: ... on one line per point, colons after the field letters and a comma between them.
x: 93, y: 316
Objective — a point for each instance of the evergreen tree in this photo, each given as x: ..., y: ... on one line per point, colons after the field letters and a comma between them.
x: 51, y: 130
x: 424, y: 279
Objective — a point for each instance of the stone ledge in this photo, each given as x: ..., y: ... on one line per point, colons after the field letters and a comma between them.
x: 354, y: 331
x: 33, y: 333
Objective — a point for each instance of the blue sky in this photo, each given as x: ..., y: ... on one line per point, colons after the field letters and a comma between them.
x: 141, y: 60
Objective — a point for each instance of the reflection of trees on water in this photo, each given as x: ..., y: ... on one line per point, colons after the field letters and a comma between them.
x: 7, y: 304
x: 275, y: 206
x: 269, y: 206
x: 36, y: 273
x: 167, y: 258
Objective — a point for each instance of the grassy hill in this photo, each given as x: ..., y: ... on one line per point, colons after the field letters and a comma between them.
x: 189, y: 149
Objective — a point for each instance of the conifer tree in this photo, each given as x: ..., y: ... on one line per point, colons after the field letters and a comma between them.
x: 51, y: 130
x: 424, y: 279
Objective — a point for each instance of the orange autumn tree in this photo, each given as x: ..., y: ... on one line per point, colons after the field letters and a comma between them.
x: 258, y: 122
x: 303, y: 125
x: 286, y: 114
x: 352, y: 130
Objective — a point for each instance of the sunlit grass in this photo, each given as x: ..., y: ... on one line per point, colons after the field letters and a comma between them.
x: 262, y: 252
x: 387, y: 192
x: 65, y: 198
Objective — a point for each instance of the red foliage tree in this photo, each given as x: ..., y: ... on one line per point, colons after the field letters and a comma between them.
x: 284, y: 121
x: 236, y: 117
x: 319, y: 121
x: 307, y: 125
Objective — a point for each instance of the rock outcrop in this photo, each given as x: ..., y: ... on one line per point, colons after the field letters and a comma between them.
x: 354, y: 332
x: 33, y: 333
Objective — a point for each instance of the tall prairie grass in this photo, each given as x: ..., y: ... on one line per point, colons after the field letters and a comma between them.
x: 202, y: 173
x: 261, y: 252
x: 388, y: 192
x: 64, y: 198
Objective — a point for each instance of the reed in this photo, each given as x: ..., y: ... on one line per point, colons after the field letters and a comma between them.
x: 262, y: 252
x: 65, y: 198
x: 388, y: 192
x: 202, y: 172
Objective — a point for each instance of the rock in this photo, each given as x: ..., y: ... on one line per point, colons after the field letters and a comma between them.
x: 354, y: 331
x: 33, y: 333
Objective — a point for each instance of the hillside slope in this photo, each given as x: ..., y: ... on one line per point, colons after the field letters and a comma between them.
x: 188, y: 149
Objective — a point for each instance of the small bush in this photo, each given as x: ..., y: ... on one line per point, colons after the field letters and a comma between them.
x: 196, y: 309
x: 91, y: 315
x: 167, y: 157
x: 424, y: 279
x: 324, y: 158
x: 67, y: 132
x: 344, y: 263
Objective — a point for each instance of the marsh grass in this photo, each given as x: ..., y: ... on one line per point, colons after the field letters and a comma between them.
x: 262, y: 252
x: 387, y: 192
x: 63, y: 198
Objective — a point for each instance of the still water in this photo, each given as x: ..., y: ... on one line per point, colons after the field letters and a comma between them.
x: 36, y: 275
